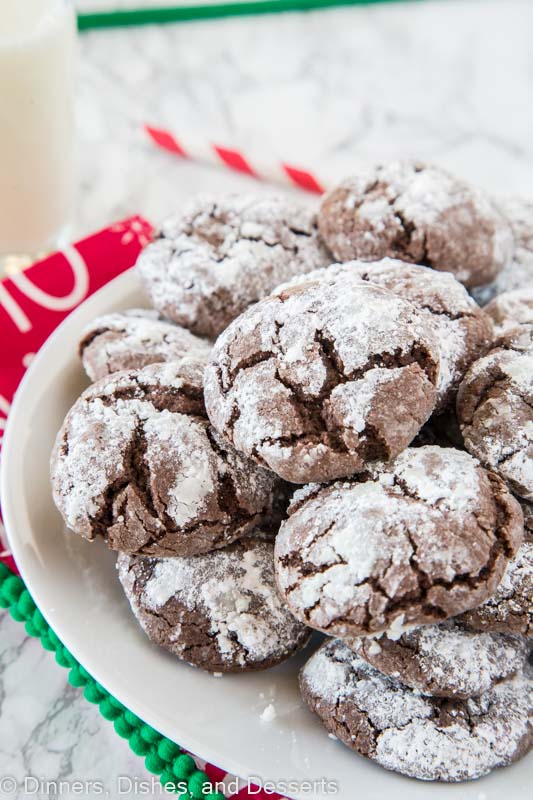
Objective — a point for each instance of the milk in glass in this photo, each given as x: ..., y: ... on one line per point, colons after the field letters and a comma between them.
x: 37, y: 40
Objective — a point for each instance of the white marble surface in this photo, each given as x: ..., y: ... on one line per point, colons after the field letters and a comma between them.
x: 448, y: 81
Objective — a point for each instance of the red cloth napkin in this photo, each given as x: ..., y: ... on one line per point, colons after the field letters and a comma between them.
x: 32, y: 304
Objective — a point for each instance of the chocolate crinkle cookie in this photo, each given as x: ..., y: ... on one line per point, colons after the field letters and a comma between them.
x: 413, y: 542
x: 219, y: 611
x: 137, y: 462
x: 511, y: 309
x: 510, y: 609
x: 518, y: 274
x: 428, y: 738
x: 495, y: 410
x: 221, y: 255
x: 518, y: 339
x: 320, y: 379
x: 462, y: 329
x: 417, y: 213
x: 445, y: 660
x: 133, y: 339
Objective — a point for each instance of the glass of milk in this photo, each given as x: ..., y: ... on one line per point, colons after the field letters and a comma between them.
x: 37, y: 43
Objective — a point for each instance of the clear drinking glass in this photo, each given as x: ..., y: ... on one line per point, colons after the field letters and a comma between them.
x: 37, y: 44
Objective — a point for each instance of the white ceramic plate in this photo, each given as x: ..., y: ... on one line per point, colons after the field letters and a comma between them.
x: 75, y: 586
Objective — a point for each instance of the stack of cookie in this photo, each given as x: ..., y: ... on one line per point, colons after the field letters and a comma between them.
x: 318, y: 427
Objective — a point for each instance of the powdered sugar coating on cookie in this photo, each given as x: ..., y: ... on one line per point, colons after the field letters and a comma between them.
x: 518, y: 274
x: 519, y: 212
x: 320, y: 379
x: 133, y: 339
x: 445, y: 660
x: 462, y: 329
x: 137, y: 462
x: 422, y: 737
x: 511, y: 309
x: 414, y: 542
x: 220, y: 611
x: 510, y: 609
x: 495, y: 411
x: 221, y: 255
x: 417, y: 213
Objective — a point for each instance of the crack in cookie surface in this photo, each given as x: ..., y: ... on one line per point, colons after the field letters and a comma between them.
x: 463, y: 330
x: 137, y: 463
x: 510, y: 609
x: 303, y: 382
x: 133, y: 339
x: 445, y: 660
x: 411, y: 543
x: 216, y: 259
x: 495, y: 411
x: 219, y: 611
x: 420, y: 214
x: 423, y: 737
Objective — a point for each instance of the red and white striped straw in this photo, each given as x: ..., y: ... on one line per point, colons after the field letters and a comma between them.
x: 211, y: 153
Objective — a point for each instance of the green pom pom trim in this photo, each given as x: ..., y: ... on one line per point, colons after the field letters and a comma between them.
x: 197, y: 785
x: 162, y: 756
x: 167, y: 750
x: 183, y: 767
x: 139, y: 746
